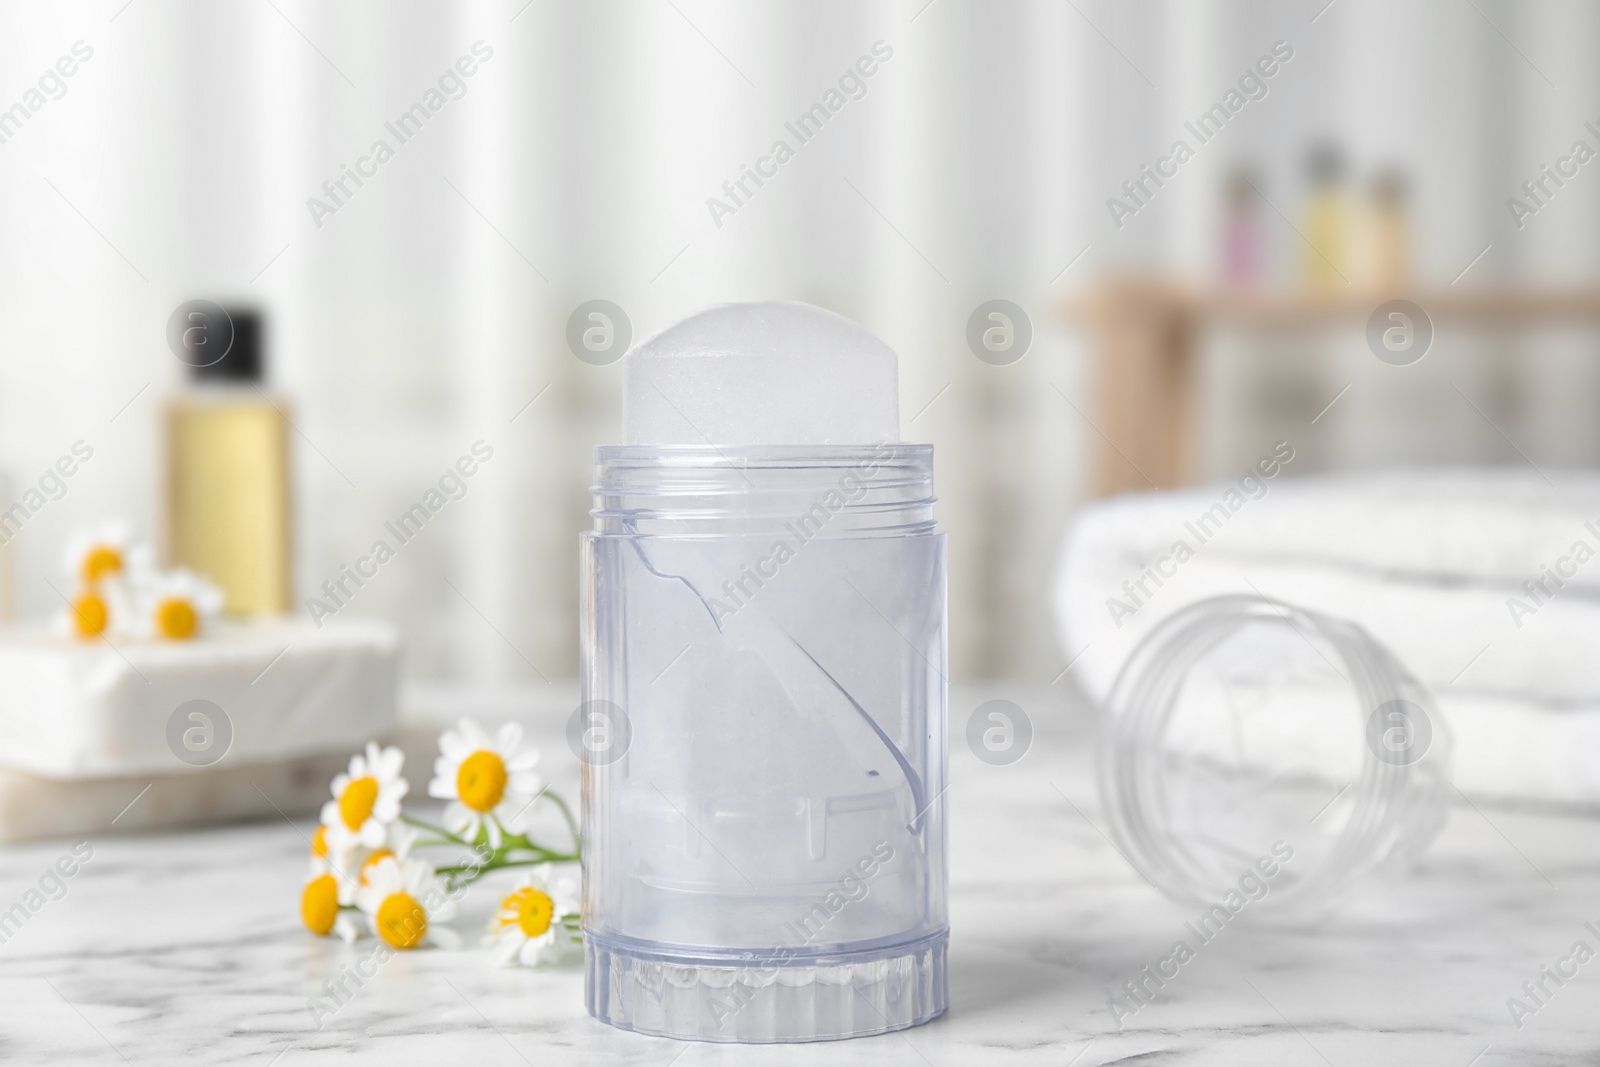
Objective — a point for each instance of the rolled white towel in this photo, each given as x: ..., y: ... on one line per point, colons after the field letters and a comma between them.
x: 1429, y: 562
x: 1449, y: 636
x: 1131, y: 561
x: 1498, y: 526
x: 1520, y: 750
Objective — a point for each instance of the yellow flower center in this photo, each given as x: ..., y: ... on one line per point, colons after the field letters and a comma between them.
x: 101, y: 561
x: 355, y: 804
x: 176, y: 619
x: 319, y: 904
x: 90, y: 615
x: 481, y: 781
x: 531, y: 909
x: 319, y: 841
x: 373, y: 860
x: 401, y: 921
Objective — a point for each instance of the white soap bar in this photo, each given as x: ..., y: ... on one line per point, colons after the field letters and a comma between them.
x: 76, y: 709
x: 774, y: 372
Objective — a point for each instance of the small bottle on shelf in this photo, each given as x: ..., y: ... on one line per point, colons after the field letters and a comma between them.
x: 1326, y: 226
x: 1388, y: 232
x: 1243, y: 243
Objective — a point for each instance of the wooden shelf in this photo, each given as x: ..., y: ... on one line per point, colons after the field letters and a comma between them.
x: 1302, y: 308
x: 1144, y: 331
x: 1508, y: 307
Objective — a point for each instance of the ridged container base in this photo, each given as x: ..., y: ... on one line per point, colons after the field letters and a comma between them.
x: 841, y: 995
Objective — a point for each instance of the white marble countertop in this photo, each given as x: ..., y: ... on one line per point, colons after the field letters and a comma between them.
x: 187, y: 947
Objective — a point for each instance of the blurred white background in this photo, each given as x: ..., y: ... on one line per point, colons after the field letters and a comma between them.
x: 431, y: 308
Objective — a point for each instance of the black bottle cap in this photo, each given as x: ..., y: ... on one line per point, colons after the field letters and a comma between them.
x: 246, y: 358
x: 1325, y: 163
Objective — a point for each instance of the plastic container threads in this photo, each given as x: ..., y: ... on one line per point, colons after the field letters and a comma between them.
x: 1240, y: 725
x: 764, y: 645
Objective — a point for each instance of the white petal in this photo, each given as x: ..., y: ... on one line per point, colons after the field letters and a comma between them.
x: 414, y: 876
x: 330, y: 813
x: 372, y: 834
x: 340, y: 840
x: 507, y: 738
x: 401, y: 838
x: 345, y: 928
x: 390, y: 761
x: 369, y: 899
x: 387, y: 809
x: 458, y: 819
x: 527, y: 783
x: 443, y: 788
x: 387, y: 874
x: 493, y: 827
x: 443, y: 936
x: 397, y: 788
x: 453, y: 746
x: 523, y: 760
x: 474, y: 734
x: 506, y: 946
x: 339, y: 784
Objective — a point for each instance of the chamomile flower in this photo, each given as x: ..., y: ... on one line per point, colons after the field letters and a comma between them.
x: 104, y: 609
x: 339, y: 861
x: 176, y: 605
x: 489, y: 783
x: 401, y: 838
x: 320, y: 902
x: 405, y: 903
x: 527, y: 928
x: 366, y: 800
x: 105, y: 550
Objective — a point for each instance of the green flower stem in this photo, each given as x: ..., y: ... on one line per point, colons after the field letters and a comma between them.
x: 497, y: 862
x: 513, y: 850
x: 441, y: 831
x: 572, y: 824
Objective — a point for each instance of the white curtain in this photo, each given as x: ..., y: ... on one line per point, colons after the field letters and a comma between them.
x: 430, y: 308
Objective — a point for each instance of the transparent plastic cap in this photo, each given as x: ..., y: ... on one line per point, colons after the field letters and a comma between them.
x: 1265, y: 758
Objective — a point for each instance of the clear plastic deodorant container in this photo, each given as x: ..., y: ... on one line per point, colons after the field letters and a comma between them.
x: 1264, y: 759
x: 763, y: 632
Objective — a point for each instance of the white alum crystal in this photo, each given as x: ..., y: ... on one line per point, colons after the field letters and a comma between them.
x: 773, y: 372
